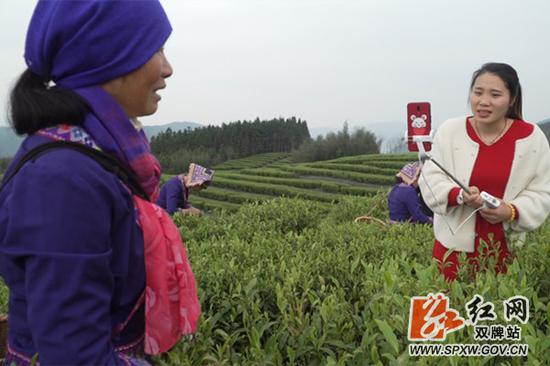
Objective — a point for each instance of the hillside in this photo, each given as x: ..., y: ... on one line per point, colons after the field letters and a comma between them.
x: 9, y: 141
x: 264, y: 177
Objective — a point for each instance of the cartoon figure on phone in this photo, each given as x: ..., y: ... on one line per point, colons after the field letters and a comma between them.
x: 419, y: 122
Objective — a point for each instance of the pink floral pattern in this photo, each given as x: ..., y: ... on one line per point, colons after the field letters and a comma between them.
x: 172, y: 306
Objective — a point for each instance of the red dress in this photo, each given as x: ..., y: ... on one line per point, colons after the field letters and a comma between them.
x: 490, y: 174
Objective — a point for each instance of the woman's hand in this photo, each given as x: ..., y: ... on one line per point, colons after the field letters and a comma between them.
x: 191, y: 211
x: 473, y: 198
x: 496, y: 215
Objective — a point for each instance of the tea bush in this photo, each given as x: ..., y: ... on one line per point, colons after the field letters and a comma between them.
x: 293, y: 282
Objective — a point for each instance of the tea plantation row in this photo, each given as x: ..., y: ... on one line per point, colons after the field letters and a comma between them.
x: 262, y: 177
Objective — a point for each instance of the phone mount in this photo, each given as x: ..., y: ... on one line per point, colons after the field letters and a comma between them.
x: 489, y: 201
x: 420, y: 140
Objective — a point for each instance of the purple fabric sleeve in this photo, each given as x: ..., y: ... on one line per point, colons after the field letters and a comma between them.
x: 72, y: 256
x: 172, y: 196
x: 404, y: 205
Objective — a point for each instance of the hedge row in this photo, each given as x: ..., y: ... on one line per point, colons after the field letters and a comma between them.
x: 275, y: 190
x: 304, y: 183
x: 269, y: 172
x: 211, y: 204
x: 361, y: 168
x: 254, y: 161
x: 238, y: 197
x: 354, y: 176
x: 393, y: 165
x: 375, y: 157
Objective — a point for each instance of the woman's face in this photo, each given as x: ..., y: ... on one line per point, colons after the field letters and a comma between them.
x: 136, y: 92
x: 197, y: 187
x: 489, y: 99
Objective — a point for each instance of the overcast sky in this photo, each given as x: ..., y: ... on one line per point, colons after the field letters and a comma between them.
x: 328, y: 61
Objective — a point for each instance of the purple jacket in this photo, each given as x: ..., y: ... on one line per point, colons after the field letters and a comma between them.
x: 404, y: 205
x: 72, y: 255
x: 173, y: 195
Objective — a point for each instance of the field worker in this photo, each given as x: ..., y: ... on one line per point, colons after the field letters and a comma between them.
x: 404, y: 202
x: 76, y: 240
x: 496, y: 151
x: 174, y: 195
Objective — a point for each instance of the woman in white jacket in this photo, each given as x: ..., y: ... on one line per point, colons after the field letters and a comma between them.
x: 495, y: 151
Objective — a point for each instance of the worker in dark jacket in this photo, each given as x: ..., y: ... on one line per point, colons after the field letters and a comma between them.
x: 174, y: 194
x: 404, y: 202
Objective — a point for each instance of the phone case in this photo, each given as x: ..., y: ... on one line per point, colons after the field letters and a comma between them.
x: 419, y: 123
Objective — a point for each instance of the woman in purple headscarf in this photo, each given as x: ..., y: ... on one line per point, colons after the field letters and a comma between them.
x: 73, y: 237
x: 404, y: 202
x: 174, y: 194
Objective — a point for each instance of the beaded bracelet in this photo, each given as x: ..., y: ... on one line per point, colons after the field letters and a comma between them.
x: 513, y: 212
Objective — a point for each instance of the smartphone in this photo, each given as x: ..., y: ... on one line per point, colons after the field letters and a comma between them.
x: 419, y: 123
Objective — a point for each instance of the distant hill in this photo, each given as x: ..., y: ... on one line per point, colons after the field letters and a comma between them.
x: 151, y: 131
x: 9, y: 141
x: 545, y: 127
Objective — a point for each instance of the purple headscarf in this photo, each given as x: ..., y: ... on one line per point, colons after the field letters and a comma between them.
x: 199, y: 175
x: 80, y: 45
x: 84, y: 43
x: 409, y: 173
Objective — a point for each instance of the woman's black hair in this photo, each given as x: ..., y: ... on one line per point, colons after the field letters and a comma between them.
x: 510, y: 78
x: 34, y: 105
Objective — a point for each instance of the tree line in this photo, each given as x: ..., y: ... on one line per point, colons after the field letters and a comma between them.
x: 214, y: 144
x: 335, y: 145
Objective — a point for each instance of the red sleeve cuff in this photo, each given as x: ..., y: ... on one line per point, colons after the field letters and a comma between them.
x: 451, y: 199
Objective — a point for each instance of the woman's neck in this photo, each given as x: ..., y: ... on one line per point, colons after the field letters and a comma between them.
x: 490, y: 133
x: 490, y: 128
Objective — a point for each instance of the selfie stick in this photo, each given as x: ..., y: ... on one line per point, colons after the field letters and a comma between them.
x: 488, y: 199
x: 423, y: 156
